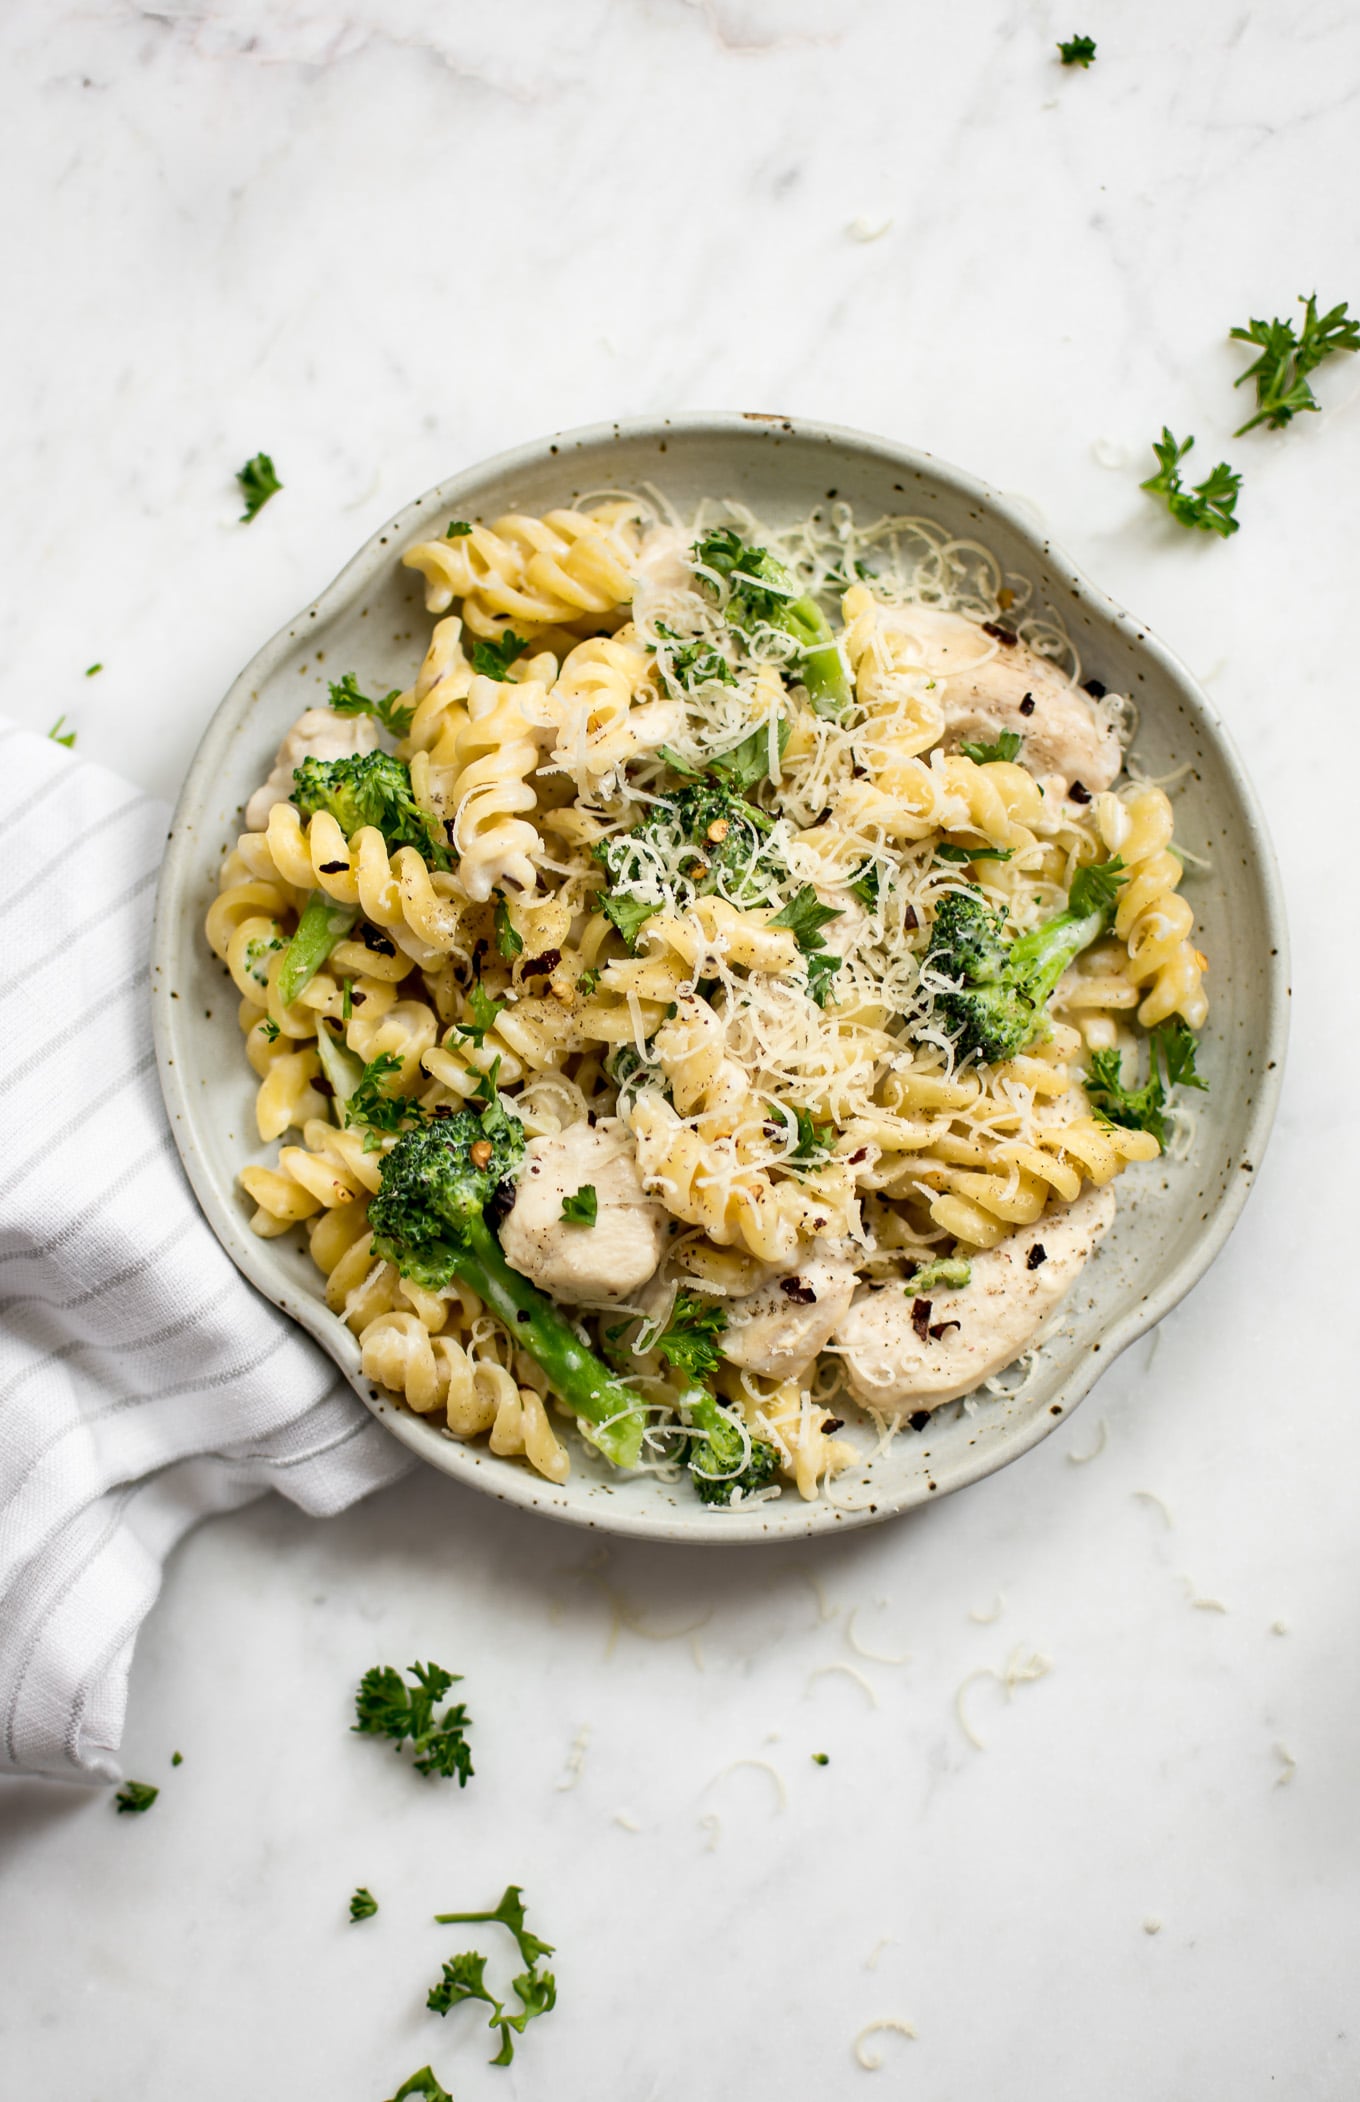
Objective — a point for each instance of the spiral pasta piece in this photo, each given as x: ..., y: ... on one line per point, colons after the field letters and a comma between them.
x: 495, y: 755
x: 1150, y: 917
x: 397, y: 893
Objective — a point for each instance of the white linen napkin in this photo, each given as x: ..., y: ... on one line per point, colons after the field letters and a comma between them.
x: 144, y: 1384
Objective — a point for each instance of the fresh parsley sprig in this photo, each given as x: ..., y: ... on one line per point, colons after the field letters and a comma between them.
x: 482, y: 1014
x: 582, y: 1208
x: 1171, y: 1053
x: 805, y: 916
x: 422, y: 2083
x: 363, y: 1904
x: 1077, y: 50
x: 385, y: 1706
x: 1288, y: 356
x: 258, y: 482
x: 374, y: 1107
x: 509, y: 940
x: 134, y: 1798
x: 346, y: 699
x: 494, y: 659
x: 1210, y: 505
x: 463, y: 1977
x: 1007, y: 747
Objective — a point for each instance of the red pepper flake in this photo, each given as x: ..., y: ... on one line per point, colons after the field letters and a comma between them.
x: 333, y: 868
x: 1005, y: 636
x: 375, y: 940
x: 920, y: 1317
x: 795, y: 1289
x: 1038, y: 1254
x: 356, y: 998
x: 479, y: 1153
x: 919, y: 1418
x: 832, y: 1424
x: 1079, y: 792
x: 1027, y: 705
x: 541, y: 966
x: 856, y: 1158
x: 941, y: 1329
x: 1097, y: 689
x: 911, y: 918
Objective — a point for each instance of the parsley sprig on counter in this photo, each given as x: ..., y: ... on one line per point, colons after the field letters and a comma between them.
x: 463, y: 1977
x: 387, y: 1707
x: 258, y: 482
x: 1209, y: 506
x: 1288, y: 356
x: 135, y: 1797
x: 1077, y: 50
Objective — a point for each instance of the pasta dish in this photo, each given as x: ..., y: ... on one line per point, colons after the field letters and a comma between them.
x: 708, y: 1012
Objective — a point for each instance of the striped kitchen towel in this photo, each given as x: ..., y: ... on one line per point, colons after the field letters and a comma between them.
x: 144, y: 1384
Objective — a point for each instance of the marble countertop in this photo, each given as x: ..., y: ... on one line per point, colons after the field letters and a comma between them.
x: 381, y: 241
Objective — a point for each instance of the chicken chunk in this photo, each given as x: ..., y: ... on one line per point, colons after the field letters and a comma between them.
x: 779, y: 1328
x: 318, y: 734
x: 899, y: 1357
x: 584, y: 1265
x: 989, y: 687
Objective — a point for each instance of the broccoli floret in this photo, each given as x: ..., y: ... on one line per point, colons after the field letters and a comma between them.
x: 725, y: 1459
x: 369, y: 788
x: 1003, y: 987
x: 762, y: 593
x: 727, y: 838
x: 429, y: 1218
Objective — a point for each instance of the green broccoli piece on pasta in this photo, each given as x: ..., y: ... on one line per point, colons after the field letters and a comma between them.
x: 369, y: 788
x: 761, y: 592
x: 723, y: 1458
x: 997, y: 991
x: 430, y: 1219
x: 708, y: 830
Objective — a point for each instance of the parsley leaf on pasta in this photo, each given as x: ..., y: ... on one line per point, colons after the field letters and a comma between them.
x: 482, y: 1013
x: 509, y: 940
x: 1171, y: 1049
x: 457, y: 529
x: 346, y: 699
x: 1007, y: 746
x: 373, y: 1105
x: 583, y: 1208
x: 494, y: 659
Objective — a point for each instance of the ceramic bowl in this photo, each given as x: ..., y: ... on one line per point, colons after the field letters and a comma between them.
x: 1173, y: 1217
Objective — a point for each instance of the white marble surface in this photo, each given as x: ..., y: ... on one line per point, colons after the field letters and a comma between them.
x: 381, y: 241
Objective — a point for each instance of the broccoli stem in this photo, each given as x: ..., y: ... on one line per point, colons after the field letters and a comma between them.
x: 322, y: 925
x: 823, y: 671
x: 1038, y: 959
x: 588, y: 1388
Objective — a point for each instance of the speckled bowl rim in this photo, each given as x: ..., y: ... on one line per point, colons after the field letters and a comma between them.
x: 509, y: 1480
